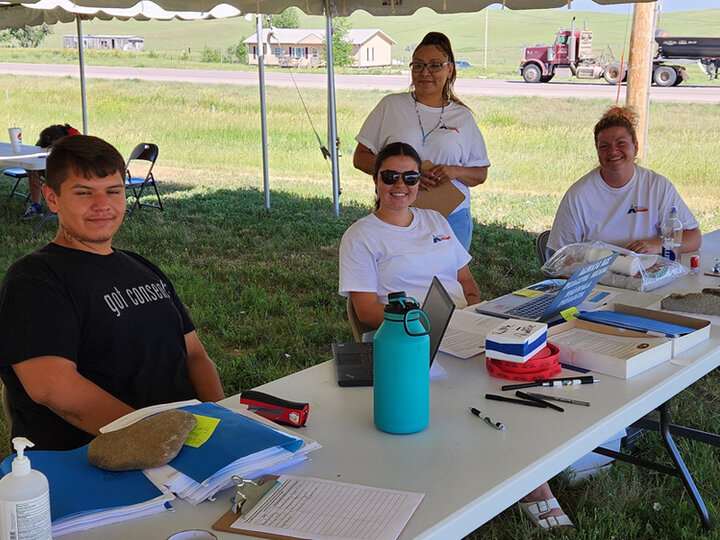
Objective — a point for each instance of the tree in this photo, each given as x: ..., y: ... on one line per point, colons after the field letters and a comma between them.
x: 239, y: 52
x: 342, y: 47
x: 290, y: 18
x: 27, y: 36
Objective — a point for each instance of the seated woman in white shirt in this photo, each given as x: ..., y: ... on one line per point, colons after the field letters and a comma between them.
x: 400, y: 248
x: 619, y: 202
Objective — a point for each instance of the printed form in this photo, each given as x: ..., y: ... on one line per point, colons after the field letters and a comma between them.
x: 465, y: 335
x: 300, y: 507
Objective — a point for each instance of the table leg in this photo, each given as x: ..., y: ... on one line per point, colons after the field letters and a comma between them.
x: 680, y: 470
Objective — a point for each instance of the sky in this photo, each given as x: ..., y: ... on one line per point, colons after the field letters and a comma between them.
x: 668, y: 6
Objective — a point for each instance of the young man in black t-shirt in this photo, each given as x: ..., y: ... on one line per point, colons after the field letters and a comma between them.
x: 90, y: 332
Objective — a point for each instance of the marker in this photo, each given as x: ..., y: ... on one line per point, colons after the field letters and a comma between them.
x: 497, y: 425
x: 518, y: 401
x: 561, y: 399
x: 564, y: 381
x: 530, y: 397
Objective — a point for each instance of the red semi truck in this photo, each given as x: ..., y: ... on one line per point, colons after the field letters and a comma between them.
x: 572, y: 55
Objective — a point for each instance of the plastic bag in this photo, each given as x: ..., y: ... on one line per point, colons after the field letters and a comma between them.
x: 630, y: 270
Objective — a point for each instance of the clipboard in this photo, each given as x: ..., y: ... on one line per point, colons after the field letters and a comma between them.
x: 444, y: 198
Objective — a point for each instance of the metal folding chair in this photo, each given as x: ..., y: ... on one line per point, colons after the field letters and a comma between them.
x: 147, y: 152
x: 18, y: 174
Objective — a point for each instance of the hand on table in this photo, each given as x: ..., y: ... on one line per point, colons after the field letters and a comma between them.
x: 646, y: 246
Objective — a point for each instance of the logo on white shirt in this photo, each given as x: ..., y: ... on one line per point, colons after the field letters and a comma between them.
x: 636, y: 208
x: 439, y: 238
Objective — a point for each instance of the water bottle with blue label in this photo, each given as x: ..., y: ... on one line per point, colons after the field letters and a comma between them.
x: 401, y: 360
x: 672, y: 233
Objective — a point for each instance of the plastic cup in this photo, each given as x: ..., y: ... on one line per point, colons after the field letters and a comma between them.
x: 15, y: 138
x: 194, y: 534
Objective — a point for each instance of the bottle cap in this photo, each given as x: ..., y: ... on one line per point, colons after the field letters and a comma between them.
x: 694, y: 261
x: 21, y: 464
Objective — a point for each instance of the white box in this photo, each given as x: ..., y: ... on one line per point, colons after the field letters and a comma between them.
x: 590, y: 346
x: 514, y: 340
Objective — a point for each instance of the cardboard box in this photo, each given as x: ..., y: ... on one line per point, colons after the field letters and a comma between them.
x: 647, y: 351
x: 682, y: 343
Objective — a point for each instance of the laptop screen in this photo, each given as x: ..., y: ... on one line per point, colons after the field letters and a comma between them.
x: 438, y: 306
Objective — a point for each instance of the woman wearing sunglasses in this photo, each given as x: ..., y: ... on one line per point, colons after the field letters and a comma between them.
x: 399, y: 248
x: 436, y: 123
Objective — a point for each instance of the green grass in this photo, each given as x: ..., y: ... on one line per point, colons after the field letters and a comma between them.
x: 261, y: 285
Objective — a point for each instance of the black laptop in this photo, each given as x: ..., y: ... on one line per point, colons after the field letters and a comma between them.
x: 354, y: 361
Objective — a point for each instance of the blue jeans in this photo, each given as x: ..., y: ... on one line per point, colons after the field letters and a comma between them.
x: 462, y: 226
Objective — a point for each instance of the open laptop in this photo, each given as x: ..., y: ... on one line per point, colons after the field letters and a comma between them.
x: 353, y: 361
x: 549, y: 304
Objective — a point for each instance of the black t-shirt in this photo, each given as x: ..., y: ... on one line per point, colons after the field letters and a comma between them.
x: 116, y: 316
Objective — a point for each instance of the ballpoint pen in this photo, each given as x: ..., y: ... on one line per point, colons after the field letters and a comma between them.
x: 561, y: 399
x: 523, y: 395
x: 497, y: 425
x: 564, y: 381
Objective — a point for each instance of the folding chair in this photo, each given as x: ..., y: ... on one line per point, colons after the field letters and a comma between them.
x: 18, y: 174
x: 137, y: 184
x: 358, y: 328
x: 543, y: 252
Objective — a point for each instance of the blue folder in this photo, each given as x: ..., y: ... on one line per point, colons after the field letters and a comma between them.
x: 634, y: 322
x: 78, y: 488
x: 235, y: 437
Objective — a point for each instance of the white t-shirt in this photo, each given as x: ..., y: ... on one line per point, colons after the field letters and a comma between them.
x: 455, y: 141
x: 592, y: 210
x: 382, y: 258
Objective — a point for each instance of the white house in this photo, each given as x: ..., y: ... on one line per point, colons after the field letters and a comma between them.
x: 295, y: 47
x: 121, y: 43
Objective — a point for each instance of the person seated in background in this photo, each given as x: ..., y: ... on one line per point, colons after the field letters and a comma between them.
x: 620, y: 202
x: 90, y: 332
x: 47, y: 137
x: 401, y: 248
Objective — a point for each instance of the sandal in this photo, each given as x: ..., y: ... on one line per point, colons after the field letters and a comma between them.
x: 534, y: 509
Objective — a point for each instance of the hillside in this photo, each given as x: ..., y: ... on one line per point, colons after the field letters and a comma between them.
x: 508, y: 31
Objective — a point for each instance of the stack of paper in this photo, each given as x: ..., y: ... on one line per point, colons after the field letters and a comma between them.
x: 83, y: 496
x: 226, y: 443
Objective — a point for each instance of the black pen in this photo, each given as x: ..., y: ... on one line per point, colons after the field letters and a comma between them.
x: 497, y: 425
x: 531, y: 397
x: 518, y: 401
x: 560, y: 399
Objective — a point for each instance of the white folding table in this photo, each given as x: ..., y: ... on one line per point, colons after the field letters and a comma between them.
x: 468, y: 471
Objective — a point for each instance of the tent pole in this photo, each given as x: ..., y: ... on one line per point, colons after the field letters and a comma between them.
x: 263, y: 110
x: 332, y: 117
x: 81, y: 60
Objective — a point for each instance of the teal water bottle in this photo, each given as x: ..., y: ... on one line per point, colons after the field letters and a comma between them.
x: 401, y: 366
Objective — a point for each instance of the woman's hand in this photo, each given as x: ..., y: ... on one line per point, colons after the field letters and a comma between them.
x: 434, y: 175
x: 651, y: 246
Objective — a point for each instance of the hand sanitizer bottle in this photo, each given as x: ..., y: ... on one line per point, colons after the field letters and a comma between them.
x: 24, y: 499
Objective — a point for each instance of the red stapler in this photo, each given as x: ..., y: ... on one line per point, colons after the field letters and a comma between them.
x: 273, y: 408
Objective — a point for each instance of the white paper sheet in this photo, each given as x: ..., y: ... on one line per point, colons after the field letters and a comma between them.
x: 325, y: 510
x: 615, y: 346
x: 465, y: 335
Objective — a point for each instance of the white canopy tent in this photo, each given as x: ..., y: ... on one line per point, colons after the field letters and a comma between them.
x: 14, y: 14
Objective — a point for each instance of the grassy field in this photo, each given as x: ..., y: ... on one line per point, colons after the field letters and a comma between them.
x: 508, y: 32
x: 261, y: 284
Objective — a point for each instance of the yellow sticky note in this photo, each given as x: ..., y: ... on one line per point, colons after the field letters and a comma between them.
x: 202, y: 431
x: 530, y: 293
x: 570, y: 313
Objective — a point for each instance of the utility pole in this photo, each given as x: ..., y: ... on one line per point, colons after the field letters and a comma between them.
x: 486, y: 33
x: 640, y: 68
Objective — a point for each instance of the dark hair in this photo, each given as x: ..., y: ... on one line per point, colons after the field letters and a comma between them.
x: 52, y: 133
x: 395, y: 149
x: 618, y: 117
x: 441, y: 41
x: 83, y: 155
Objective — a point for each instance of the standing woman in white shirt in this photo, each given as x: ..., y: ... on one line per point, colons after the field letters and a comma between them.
x: 434, y: 121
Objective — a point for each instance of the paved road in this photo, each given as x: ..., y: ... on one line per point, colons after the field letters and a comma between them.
x: 480, y: 87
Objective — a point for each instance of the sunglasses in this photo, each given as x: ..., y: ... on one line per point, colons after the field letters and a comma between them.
x: 433, y: 67
x: 409, y: 177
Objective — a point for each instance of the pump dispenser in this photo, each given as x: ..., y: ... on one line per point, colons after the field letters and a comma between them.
x: 24, y: 499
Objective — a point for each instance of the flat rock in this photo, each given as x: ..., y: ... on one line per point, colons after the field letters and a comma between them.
x: 707, y: 302
x: 150, y: 442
